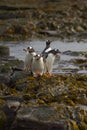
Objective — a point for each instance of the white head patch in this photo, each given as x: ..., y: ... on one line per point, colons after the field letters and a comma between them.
x: 30, y: 47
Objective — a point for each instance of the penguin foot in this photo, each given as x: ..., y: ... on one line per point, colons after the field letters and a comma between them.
x: 37, y: 75
x: 49, y: 74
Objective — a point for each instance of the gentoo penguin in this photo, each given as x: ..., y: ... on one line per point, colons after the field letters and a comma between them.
x: 47, y: 48
x: 30, y: 52
x: 49, y: 60
x: 37, y: 65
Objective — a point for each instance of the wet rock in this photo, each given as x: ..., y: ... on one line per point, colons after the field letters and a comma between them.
x: 4, y: 78
x: 72, y: 53
x: 18, y: 76
x: 4, y: 51
x: 8, y: 62
x: 56, y: 102
x: 86, y: 55
x: 41, y: 25
x: 80, y: 61
x: 48, y: 32
x: 10, y: 110
x: 38, y: 118
x: 58, y: 17
x: 12, y: 100
x: 6, y: 65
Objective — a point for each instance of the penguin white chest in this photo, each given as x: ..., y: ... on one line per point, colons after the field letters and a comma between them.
x: 28, y: 61
x: 49, y: 62
x: 38, y: 66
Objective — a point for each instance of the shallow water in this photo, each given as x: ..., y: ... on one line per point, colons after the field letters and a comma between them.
x: 83, y: 107
x: 62, y: 66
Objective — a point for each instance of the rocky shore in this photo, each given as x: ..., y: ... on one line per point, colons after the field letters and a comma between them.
x: 64, y: 20
x: 58, y: 102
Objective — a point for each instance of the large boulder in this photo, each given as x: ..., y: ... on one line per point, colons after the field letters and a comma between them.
x: 38, y: 118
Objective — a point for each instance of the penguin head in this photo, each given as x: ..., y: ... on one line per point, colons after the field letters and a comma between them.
x: 57, y: 54
x: 37, y: 57
x: 57, y: 51
x: 48, y: 43
x: 29, y: 49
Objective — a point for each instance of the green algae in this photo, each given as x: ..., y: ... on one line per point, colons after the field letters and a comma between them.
x: 64, y: 89
x: 2, y: 102
x: 74, y: 125
x: 83, y: 126
x: 85, y: 119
